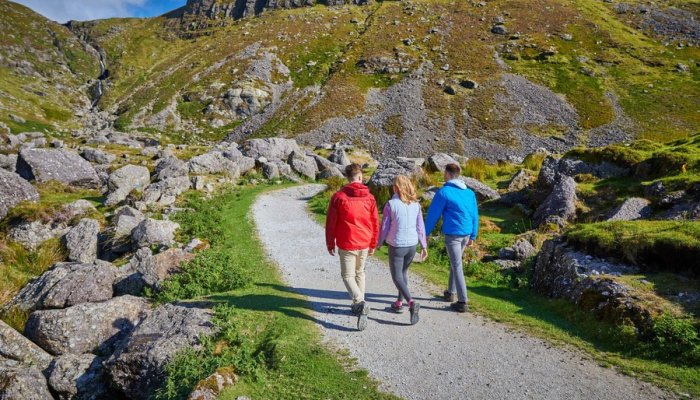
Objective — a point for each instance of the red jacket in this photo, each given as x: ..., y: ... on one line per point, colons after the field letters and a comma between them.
x: 352, y: 221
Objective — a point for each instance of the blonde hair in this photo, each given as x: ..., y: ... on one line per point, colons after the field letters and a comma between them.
x: 405, y: 189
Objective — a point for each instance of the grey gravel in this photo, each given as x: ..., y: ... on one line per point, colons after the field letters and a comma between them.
x: 444, y: 356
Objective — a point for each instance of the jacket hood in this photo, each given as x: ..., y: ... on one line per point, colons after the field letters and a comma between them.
x: 457, y: 182
x: 356, y: 189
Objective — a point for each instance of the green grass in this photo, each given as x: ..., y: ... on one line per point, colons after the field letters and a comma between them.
x: 653, y: 245
x: 268, y: 333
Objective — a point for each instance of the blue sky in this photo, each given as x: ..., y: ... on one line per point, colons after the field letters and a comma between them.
x: 81, y: 10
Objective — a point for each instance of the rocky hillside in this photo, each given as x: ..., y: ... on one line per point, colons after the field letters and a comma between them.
x: 494, y: 79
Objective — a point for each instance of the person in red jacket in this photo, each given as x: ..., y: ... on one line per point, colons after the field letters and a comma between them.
x: 352, y: 224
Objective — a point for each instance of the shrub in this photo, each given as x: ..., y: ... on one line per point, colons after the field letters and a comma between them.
x: 534, y: 161
x: 212, y: 271
x: 675, y: 336
x: 480, y: 169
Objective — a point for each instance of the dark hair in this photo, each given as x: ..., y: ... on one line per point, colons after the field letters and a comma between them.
x: 453, y: 169
x: 352, y: 171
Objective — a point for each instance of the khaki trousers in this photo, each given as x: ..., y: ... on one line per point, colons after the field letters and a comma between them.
x: 352, y: 269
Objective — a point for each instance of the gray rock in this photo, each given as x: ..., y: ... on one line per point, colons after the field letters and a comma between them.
x: 681, y: 212
x: 245, y: 164
x: 79, y: 377
x: 165, y: 192
x: 60, y: 165
x: 154, y: 232
x: 85, y: 327
x: 548, y: 172
x: 14, y: 190
x: 211, y: 387
x: 519, y: 251
x: 270, y: 170
x: 387, y: 171
x: 65, y: 285
x: 125, y: 219
x: 632, y: 209
x: 437, y: 162
x: 76, y: 209
x: 15, y: 348
x: 97, y: 156
x: 303, y: 165
x: 23, y: 383
x: 561, y: 203
x: 171, y: 167
x: 339, y: 157
x: 124, y: 180
x: 483, y: 192
x: 81, y: 241
x: 146, y: 270
x: 57, y: 143
x: 32, y: 234
x: 499, y: 30
x: 508, y: 264
x: 270, y: 148
x: 520, y: 180
x: 214, y: 162
x: 137, y: 367
x: 8, y: 162
x: 326, y: 167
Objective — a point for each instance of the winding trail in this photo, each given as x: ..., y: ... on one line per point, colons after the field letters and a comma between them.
x: 446, y: 355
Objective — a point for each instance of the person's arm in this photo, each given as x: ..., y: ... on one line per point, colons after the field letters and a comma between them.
x: 475, y: 218
x: 374, y: 216
x: 331, y: 221
x: 420, y: 226
x: 386, y: 224
x: 437, y: 206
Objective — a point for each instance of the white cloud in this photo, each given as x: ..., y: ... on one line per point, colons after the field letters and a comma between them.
x: 81, y: 10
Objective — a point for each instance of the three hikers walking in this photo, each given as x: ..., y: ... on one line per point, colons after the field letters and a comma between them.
x: 352, y: 225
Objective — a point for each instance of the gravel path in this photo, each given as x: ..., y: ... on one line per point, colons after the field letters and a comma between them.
x: 446, y: 355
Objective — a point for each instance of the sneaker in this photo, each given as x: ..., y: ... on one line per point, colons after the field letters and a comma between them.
x: 449, y: 296
x: 397, y: 307
x: 362, y: 316
x: 460, y: 306
x: 355, y: 309
x: 415, y: 307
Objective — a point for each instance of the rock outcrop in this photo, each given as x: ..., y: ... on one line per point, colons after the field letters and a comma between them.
x: 81, y: 241
x: 483, y: 191
x: 387, y: 171
x: 154, y: 232
x: 23, y: 383
x: 79, y: 377
x: 65, y: 166
x: 560, y: 206
x: 270, y: 148
x: 124, y: 180
x: 632, y: 209
x: 14, y: 190
x: 16, y: 349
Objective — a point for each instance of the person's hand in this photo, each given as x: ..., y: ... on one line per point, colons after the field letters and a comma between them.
x: 424, y: 254
x: 331, y: 251
x: 371, y: 252
x: 469, y: 242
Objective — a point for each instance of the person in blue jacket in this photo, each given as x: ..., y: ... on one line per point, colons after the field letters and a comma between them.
x: 456, y: 204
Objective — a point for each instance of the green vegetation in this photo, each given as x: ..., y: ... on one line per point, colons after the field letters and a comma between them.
x: 267, y: 332
x: 653, y: 245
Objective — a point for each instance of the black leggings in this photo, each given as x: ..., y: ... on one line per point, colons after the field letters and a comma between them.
x: 400, y: 259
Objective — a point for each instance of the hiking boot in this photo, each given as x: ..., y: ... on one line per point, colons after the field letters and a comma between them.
x: 397, y: 307
x: 460, y: 306
x: 415, y: 307
x: 449, y: 296
x: 362, y: 316
x: 355, y: 309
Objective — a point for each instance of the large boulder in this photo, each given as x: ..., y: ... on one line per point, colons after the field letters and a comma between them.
x: 244, y: 163
x: 97, y: 156
x: 14, y: 190
x: 387, y: 171
x: 165, y: 192
x: 8, y: 162
x: 16, y: 349
x: 339, y: 157
x: 269, y: 148
x: 560, y: 206
x: 65, y: 166
x: 521, y: 180
x: 154, y: 232
x: 326, y: 167
x: 67, y: 284
x: 146, y: 270
x: 552, y: 169
x: 23, y: 383
x: 632, y: 209
x: 124, y: 180
x: 124, y: 221
x: 519, y: 251
x: 32, y: 234
x: 137, y: 366
x: 214, y: 162
x: 303, y: 165
x: 171, y: 167
x: 437, y: 162
x: 85, y: 327
x: 79, y: 377
x: 483, y: 191
x: 81, y: 241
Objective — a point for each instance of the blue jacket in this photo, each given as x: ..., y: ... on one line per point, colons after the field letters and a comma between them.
x: 456, y: 204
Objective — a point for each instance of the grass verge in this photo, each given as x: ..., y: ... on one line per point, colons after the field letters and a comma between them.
x: 268, y: 333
